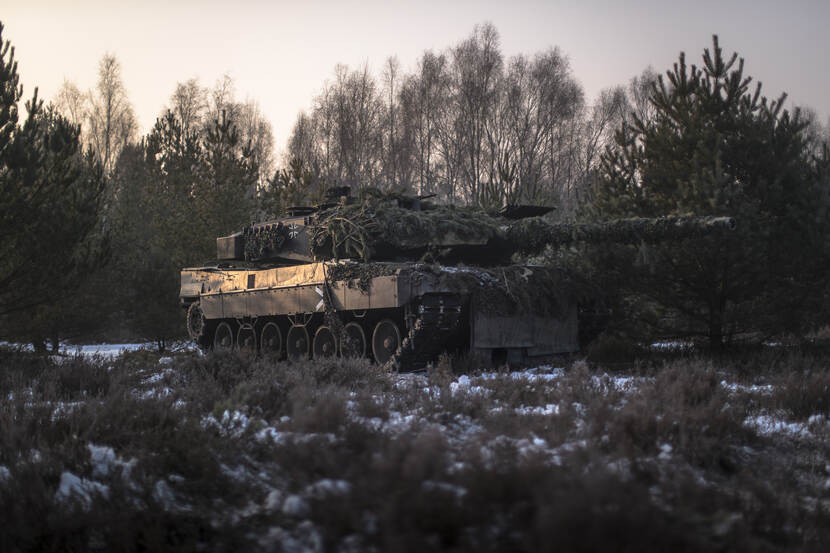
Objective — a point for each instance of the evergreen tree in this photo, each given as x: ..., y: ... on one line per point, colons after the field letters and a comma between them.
x: 716, y: 147
x: 294, y: 185
x: 175, y: 193
x: 50, y: 198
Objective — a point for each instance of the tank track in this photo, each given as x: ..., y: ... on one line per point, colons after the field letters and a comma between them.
x: 432, y: 331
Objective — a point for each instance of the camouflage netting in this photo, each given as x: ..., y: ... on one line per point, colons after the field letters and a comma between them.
x: 360, y: 275
x: 378, y: 228
x: 260, y: 241
x: 502, y: 290
x: 364, y: 230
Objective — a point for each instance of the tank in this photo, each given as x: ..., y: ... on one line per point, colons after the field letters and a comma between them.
x: 401, y: 280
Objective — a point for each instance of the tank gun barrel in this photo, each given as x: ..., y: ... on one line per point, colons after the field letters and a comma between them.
x: 533, y: 234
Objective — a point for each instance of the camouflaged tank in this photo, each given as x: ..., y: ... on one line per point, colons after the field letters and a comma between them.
x: 401, y: 280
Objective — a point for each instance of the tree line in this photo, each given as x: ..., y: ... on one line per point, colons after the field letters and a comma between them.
x: 467, y: 125
x: 98, y: 220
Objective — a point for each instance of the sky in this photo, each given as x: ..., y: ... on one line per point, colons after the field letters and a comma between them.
x: 280, y: 53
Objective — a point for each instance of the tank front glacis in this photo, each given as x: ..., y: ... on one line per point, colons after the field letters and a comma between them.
x: 399, y: 280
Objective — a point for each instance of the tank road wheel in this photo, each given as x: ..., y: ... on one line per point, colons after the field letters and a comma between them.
x: 297, y: 343
x: 223, y: 339
x: 246, y: 339
x: 325, y: 345
x: 196, y: 324
x: 385, y: 341
x: 270, y: 341
x: 353, y: 341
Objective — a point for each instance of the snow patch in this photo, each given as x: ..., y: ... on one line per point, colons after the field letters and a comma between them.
x: 452, y: 489
x: 104, y: 459
x: 766, y: 425
x: 163, y: 494
x: 547, y: 410
x: 232, y: 423
x: 327, y: 487
x: 295, y: 506
x: 732, y: 387
x: 537, y: 374
x: 288, y: 438
x: 72, y: 487
x: 273, y: 501
x: 463, y: 385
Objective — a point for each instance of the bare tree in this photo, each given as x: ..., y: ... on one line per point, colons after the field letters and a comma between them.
x: 256, y: 134
x: 391, y: 69
x: 71, y: 103
x: 222, y: 100
x: 189, y: 103
x: 111, y: 122
x: 303, y: 144
x: 357, y: 112
x: 425, y: 97
x: 477, y: 66
x: 639, y: 92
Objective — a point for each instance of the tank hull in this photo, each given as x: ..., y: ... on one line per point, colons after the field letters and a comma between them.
x: 432, y: 308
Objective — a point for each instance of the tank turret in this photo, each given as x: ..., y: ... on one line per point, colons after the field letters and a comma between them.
x: 400, y: 229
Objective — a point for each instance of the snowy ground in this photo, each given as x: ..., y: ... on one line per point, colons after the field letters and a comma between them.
x: 109, y: 351
x: 313, y: 457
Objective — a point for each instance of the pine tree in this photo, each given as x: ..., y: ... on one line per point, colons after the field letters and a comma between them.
x: 717, y: 147
x: 176, y: 192
x: 50, y: 198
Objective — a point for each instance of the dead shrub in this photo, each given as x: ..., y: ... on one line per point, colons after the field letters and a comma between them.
x: 803, y: 393
x: 608, y: 349
x: 684, y: 406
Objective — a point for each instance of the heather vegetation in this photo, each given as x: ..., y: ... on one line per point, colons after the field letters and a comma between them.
x: 224, y: 452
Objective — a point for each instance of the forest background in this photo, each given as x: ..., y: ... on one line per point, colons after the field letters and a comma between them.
x: 97, y: 221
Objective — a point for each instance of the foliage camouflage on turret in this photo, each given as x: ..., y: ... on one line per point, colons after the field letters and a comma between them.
x: 359, y: 230
x: 260, y: 241
x: 379, y: 228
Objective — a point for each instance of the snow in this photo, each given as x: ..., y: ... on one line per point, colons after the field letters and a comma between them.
x: 732, y: 387
x: 270, y: 433
x: 273, y: 501
x: 458, y: 491
x: 672, y: 346
x: 327, y: 487
x: 164, y: 495
x: 549, y: 409
x: 72, y: 487
x: 537, y: 374
x: 61, y: 408
x: 463, y: 385
x: 233, y: 423
x: 104, y: 459
x: 295, y: 506
x: 157, y: 377
x: 766, y: 425
x: 107, y: 351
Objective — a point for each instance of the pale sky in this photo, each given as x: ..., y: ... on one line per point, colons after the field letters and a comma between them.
x: 280, y: 53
